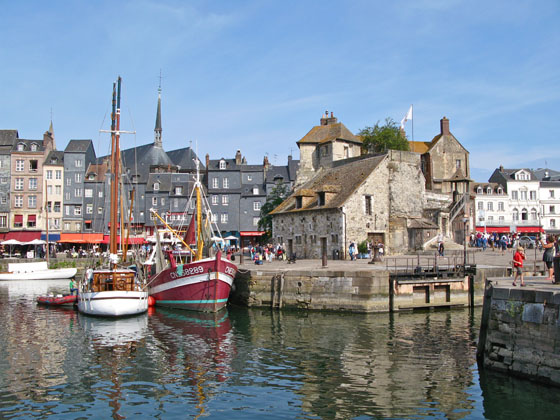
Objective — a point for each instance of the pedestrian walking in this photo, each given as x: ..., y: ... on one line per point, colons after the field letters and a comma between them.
x: 518, y: 265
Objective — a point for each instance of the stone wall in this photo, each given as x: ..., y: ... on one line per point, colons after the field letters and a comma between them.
x: 520, y: 333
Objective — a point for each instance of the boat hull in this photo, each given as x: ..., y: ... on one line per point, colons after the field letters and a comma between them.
x: 113, y: 303
x: 55, y: 274
x: 199, y: 286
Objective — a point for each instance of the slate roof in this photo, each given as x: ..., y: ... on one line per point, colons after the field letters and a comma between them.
x: 100, y: 171
x: 8, y: 137
x: 167, y: 182
x: 344, y: 178
x: 78, y: 146
x: 55, y: 157
x: 277, y: 171
x: 502, y: 176
x: 552, y: 174
x: 145, y: 156
x: 214, y: 165
x: 327, y: 133
x: 28, y: 144
x: 293, y: 166
x: 184, y: 158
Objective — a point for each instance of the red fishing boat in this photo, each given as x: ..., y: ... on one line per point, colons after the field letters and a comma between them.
x: 184, y: 278
x: 57, y: 300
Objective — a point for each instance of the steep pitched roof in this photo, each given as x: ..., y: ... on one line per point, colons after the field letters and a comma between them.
x: 185, y: 159
x: 419, y: 146
x: 55, y: 157
x: 140, y: 159
x: 341, y: 180
x: 502, y: 176
x: 98, y: 170
x: 78, y: 146
x: 8, y: 137
x: 327, y: 133
x: 28, y: 144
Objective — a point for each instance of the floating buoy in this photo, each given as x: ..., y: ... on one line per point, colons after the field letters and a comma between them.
x: 151, y: 301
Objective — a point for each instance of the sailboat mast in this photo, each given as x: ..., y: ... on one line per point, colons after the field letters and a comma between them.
x: 115, y: 124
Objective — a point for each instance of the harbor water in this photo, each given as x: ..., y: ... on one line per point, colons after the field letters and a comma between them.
x: 247, y: 363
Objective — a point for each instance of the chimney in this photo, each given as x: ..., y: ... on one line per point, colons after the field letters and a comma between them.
x: 238, y: 157
x: 265, y: 163
x: 207, y: 160
x: 501, y: 168
x: 326, y: 120
x: 444, y: 125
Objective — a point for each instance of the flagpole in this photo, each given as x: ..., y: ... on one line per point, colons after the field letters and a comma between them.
x: 412, y: 114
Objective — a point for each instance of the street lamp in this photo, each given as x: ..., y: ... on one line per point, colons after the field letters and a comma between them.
x: 465, y: 220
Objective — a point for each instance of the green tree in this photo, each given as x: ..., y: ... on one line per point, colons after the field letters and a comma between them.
x: 278, y: 194
x: 380, y: 138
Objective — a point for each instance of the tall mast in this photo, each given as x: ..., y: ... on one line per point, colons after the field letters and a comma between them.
x: 199, y: 241
x: 114, y: 171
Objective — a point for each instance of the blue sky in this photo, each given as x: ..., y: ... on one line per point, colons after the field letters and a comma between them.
x: 257, y: 75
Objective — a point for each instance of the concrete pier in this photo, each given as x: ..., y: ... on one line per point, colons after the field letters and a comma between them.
x: 520, y: 329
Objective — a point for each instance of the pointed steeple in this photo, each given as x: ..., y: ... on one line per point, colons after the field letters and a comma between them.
x: 157, y: 129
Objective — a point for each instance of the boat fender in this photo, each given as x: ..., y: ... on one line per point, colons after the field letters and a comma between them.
x: 151, y: 301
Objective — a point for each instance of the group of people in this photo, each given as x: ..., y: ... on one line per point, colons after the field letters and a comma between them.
x: 551, y: 248
x: 268, y: 252
x: 495, y: 240
x: 371, y: 246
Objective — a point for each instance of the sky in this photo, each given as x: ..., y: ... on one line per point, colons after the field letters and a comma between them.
x: 257, y: 75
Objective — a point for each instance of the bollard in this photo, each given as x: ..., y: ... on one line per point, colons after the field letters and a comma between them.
x: 556, y: 263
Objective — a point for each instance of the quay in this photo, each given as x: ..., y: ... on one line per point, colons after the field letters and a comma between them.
x: 397, y: 283
x: 520, y: 329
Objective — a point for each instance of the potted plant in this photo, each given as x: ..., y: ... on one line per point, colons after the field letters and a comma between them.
x: 363, y: 249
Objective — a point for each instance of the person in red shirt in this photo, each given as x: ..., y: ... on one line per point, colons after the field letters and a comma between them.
x: 518, y: 265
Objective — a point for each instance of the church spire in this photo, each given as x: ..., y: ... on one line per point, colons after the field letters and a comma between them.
x: 157, y: 129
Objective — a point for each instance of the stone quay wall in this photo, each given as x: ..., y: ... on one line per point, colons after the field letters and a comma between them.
x: 364, y: 291
x: 520, y: 333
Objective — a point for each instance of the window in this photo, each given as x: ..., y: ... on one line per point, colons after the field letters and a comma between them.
x: 255, y: 190
x: 368, y: 205
x: 489, y: 191
x: 532, y: 195
x: 501, y: 206
x: 501, y: 219
x: 78, y: 163
x: 19, y: 184
x: 458, y: 163
x: 3, y: 221
x: 175, y: 203
x: 515, y: 214
x: 500, y: 190
x: 299, y: 202
x: 249, y: 177
x: 66, y: 226
x: 54, y: 223
x: 156, y: 186
x: 154, y: 201
x: 214, y: 182
x: 514, y: 195
x: 67, y: 195
x: 524, y: 214
x: 257, y: 205
x: 523, y: 195
x: 67, y: 210
x: 321, y: 198
x: 20, y: 165
x: 33, y: 165
x: 88, y: 193
x: 214, y: 218
x: 87, y: 225
x: 32, y: 201
x: 178, y: 190
x: 89, y: 208
x: 490, y: 218
x: 224, y: 218
x: 49, y: 174
x: 533, y: 214
x: 480, y: 205
x: 99, y: 210
x: 551, y: 210
x: 226, y: 183
x: 18, y: 220
x: 33, y: 185
x: 49, y: 206
x: 298, y: 237
x: 552, y: 223
x: 31, y: 220
x: 225, y: 200
x: 78, y: 177
x: 58, y: 174
x: 49, y: 188
x: 100, y: 194
x: 479, y: 190
x: 77, y: 210
x: 163, y: 201
x: 4, y: 180
x: 77, y: 192
x: 3, y: 199
x: 18, y: 201
x: 214, y: 200
x: 21, y: 147
x: 57, y: 189
x: 490, y: 206
x: 222, y: 164
x: 78, y: 226
x: 57, y: 206
x: 33, y: 147
x: 68, y: 182
x: 256, y: 221
x: 550, y: 193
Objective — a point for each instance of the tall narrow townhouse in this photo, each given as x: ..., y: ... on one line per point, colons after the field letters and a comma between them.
x: 7, y: 141
x: 27, y: 160
x: 53, y: 197
x: 78, y: 155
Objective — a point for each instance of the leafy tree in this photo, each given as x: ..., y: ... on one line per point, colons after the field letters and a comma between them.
x: 278, y: 194
x: 380, y: 138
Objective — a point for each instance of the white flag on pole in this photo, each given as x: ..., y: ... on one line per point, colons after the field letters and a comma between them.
x: 407, y: 117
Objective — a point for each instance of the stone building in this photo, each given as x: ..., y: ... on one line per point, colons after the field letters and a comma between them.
x: 376, y: 198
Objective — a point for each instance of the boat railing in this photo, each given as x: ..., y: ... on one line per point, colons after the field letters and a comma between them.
x: 114, y: 280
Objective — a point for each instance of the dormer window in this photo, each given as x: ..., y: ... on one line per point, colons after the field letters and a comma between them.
x: 479, y: 190
x: 255, y: 190
x: 489, y: 191
x: 21, y: 147
x: 521, y: 176
x: 156, y: 186
x: 321, y: 200
x: 34, y: 147
x: 222, y: 164
x: 299, y: 202
x: 178, y: 190
x: 500, y: 190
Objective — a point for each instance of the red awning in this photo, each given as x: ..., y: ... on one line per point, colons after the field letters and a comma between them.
x: 131, y: 241
x: 529, y: 229
x: 252, y: 233
x: 81, y: 238
x: 32, y: 218
x: 24, y: 235
x: 492, y: 229
x: 18, y: 218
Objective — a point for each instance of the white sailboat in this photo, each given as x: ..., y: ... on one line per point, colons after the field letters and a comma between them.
x: 113, y: 291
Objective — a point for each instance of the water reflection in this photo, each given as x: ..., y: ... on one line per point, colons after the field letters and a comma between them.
x: 248, y: 363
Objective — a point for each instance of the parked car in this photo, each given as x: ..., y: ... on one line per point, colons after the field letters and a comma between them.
x: 527, y: 242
